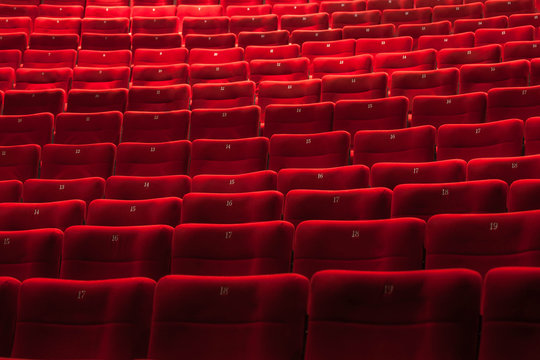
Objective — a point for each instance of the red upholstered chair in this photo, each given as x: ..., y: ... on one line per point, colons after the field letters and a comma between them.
x: 464, y: 25
x: 11, y: 190
x: 483, y: 77
x: 368, y: 31
x: 146, y: 187
x: 349, y: 303
x: 101, y: 77
x: 69, y: 318
x: 185, y: 305
x: 97, y: 58
x: 348, y: 65
x: 374, y: 46
x: 336, y: 178
x: 224, y: 95
x: 20, y: 102
x: 514, y: 102
x: 27, y: 216
x: 438, y: 42
x: 121, y: 9
x: 105, y: 25
x: 496, y: 7
x: 388, y: 4
x: 160, y: 75
x: 155, y: 25
x: 263, y: 38
x: 515, y: 50
x: 109, y: 252
x: 44, y: 59
x: 354, y: 87
x: 68, y: 161
x: 501, y: 36
x: 523, y: 195
x: 144, y: 126
x: 232, y: 123
x: 397, y: 17
x: 160, y: 56
x: 215, y: 56
x: 425, y: 200
x: 508, y: 169
x: 289, y: 92
x: 457, y: 57
x: 532, y: 136
x: 218, y: 73
x: 298, y: 118
x: 355, y: 204
x: 343, y: 19
x: 206, y: 25
x: 301, y: 36
x: 38, y: 79
x: 232, y: 208
x: 248, y: 182
x: 9, y: 289
x: 112, y: 212
x: 48, y: 190
x: 438, y: 28
x: 91, y: 100
x: 156, y: 41
x: 386, y: 245
x: 420, y: 60
x: 80, y: 128
x: 460, y: 11
x: 279, y: 70
x: 317, y: 21
x: 469, y: 141
x: 256, y: 248
x: 243, y: 8
x: 263, y: 22
x: 112, y: 42
x: 391, y: 174
x: 10, y: 58
x: 159, y: 98
x: 26, y: 129
x: 337, y: 48
x: 256, y: 52
x: 19, y: 162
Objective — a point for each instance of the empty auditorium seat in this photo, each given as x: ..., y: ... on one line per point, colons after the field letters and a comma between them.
x: 279, y: 69
x: 13, y: 41
x: 295, y: 8
x: 30, y: 253
x: 331, y: 7
x: 121, y: 9
x: 438, y: 28
x: 20, y: 102
x: 10, y: 58
x: 70, y: 319
x: 206, y: 25
x: 146, y: 187
x: 7, y: 10
x: 266, y: 22
x: 96, y: 58
x: 337, y: 48
x: 231, y: 123
x: 109, y: 212
x: 48, y: 190
x: 226, y: 157
x: 10, y: 190
x: 59, y: 161
x: 514, y: 102
x: 301, y: 36
x: 354, y: 204
x: 216, y: 56
x: 469, y: 141
x: 16, y: 24
x: 256, y: 52
x: 44, y: 59
x: 19, y: 162
x: 460, y: 11
x: 38, y: 79
x: 9, y: 289
x: 343, y: 19
x: 348, y: 65
x: 263, y: 38
x: 100, y: 78
x: 509, y: 313
x: 523, y: 195
x: 454, y: 57
x: 336, y: 178
x: 317, y: 21
x: 46, y: 25
x: 508, y: 169
x: 437, y: 110
x: 27, y: 216
x: 186, y: 307
x: 438, y: 42
x: 244, y: 8
x: 389, y: 4
x: 289, y: 92
x: 156, y: 41
x: 515, y: 50
x: 160, y: 75
x: 501, y: 36
x: 482, y: 77
x: 406, y: 16
x: 374, y: 46
x: 298, y: 118
x: 354, y: 87
x: 26, y: 129
x: 419, y: 60
x: 419, y: 310
x: 370, y: 245
x: 109, y: 42
x: 430, y: 82
x: 257, y: 248
x: 248, y: 182
x: 53, y: 42
x: 532, y: 136
x: 143, y: 126
x: 481, y: 242
x: 320, y: 150
x: 198, y: 10
x: 224, y: 95
x: 218, y: 73
x: 105, y: 252
x: 426, y: 200
x: 7, y: 79
x: 368, y: 31
x: 158, y: 98
x: 389, y: 175
x: 415, y: 144
x: 232, y: 208
x: 91, y: 100
x: 153, y: 159
x: 497, y: 7
x: 154, y: 25
x: 105, y: 25
x: 212, y: 41
x: 160, y: 56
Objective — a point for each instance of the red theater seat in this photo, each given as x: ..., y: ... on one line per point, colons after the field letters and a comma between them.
x: 460, y: 11
x: 121, y: 9
x: 30, y: 253
x: 19, y: 162
x: 368, y: 309
x: 389, y: 4
x: 143, y: 126
x: 483, y: 77
x: 337, y: 48
x: 498, y: 7
x: 415, y: 31
x: 298, y: 118
x: 453, y: 57
x: 336, y: 178
x: 9, y: 289
x: 226, y: 157
x: 252, y: 249
x: 481, y: 242
x: 27, y: 216
x: 216, y: 56
x: 256, y: 52
x: 437, y: 110
x: 508, y: 312
x: 198, y: 10
x: 206, y: 25
x: 160, y: 75
x: 369, y: 31
x: 16, y: 24
x: 374, y: 46
x: 355, y: 204
x: 391, y: 174
x: 464, y: 25
x: 156, y: 41
x: 20, y: 102
x: 224, y: 95
x: 38, y: 79
x: 263, y: 22
x: 107, y: 42
x: 508, y: 169
x: 182, y: 319
x: 232, y: 208
x: 301, y: 36
x: 218, y: 73
x: 501, y: 36
x: 511, y: 103
x: 160, y: 56
x: 105, y: 25
x: 532, y: 136
x: 295, y: 8
x: 469, y: 141
x: 46, y: 41
x: 96, y: 58
x: 279, y: 70
x: 49, y: 190
x: 406, y: 16
x: 320, y: 150
x: 332, y: 6
x: 415, y: 144
x: 419, y: 60
x: 7, y: 79
x: 80, y: 128
x: 26, y: 129
x: 524, y: 195
x: 348, y: 65
x: 289, y: 92
x: 44, y: 59
x: 14, y: 41
x: 90, y: 100
x: 10, y: 58
x: 248, y: 182
x: 386, y: 245
x: 69, y: 318
x: 317, y: 21
x: 100, y: 78
x: 354, y: 87
x: 105, y: 252
x: 159, y: 98
x: 10, y: 190
x: 146, y: 187
x: 515, y: 50
x: 153, y: 159
x: 154, y: 25
x: 60, y: 161
x: 232, y: 123
x: 425, y: 200
x: 343, y: 19
x: 108, y: 212
x: 30, y: 11
x: 46, y: 25
x: 263, y: 38
x: 438, y: 42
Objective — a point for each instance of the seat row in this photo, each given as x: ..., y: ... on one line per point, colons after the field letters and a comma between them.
x: 479, y: 242
x: 188, y: 317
